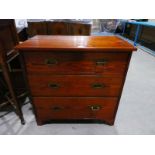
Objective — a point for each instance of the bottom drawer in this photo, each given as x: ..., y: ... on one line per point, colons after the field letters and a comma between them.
x: 73, y: 108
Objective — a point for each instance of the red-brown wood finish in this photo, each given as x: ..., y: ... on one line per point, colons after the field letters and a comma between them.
x: 75, y: 108
x: 76, y: 63
x: 76, y: 77
x: 74, y: 85
x: 76, y: 43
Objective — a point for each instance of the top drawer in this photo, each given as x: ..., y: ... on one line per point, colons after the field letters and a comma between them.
x: 76, y: 63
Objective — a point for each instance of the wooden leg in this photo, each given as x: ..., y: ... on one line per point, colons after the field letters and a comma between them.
x: 110, y: 122
x: 7, y: 78
x: 39, y: 122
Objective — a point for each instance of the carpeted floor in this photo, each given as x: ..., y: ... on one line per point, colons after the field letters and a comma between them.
x: 136, y: 113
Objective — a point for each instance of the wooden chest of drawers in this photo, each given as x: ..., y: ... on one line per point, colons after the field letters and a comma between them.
x: 75, y: 77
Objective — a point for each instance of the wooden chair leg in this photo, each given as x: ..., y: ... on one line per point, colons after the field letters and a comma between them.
x: 6, y: 74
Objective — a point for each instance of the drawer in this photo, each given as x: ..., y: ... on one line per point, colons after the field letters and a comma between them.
x: 56, y: 108
x: 74, y: 85
x: 110, y: 64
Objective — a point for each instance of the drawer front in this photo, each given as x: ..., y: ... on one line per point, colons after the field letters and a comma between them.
x: 113, y: 64
x: 73, y: 85
x: 75, y: 108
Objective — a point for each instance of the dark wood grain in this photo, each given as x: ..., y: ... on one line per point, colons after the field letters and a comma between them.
x: 76, y: 43
x: 79, y: 29
x: 9, y: 39
x: 12, y: 96
x: 8, y: 34
x: 57, y: 28
x: 37, y: 28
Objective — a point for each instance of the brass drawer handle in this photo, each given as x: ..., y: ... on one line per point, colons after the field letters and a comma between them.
x: 53, y: 85
x: 101, y: 62
x: 98, y: 85
x: 95, y: 107
x: 51, y: 61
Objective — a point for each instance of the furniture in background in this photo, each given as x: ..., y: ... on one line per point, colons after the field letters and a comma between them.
x: 10, y: 65
x: 108, y: 25
x: 9, y: 39
x: 21, y: 27
x: 75, y: 77
x: 37, y: 28
x: 140, y: 32
x: 79, y: 29
x: 22, y: 34
x: 10, y: 95
x: 58, y: 28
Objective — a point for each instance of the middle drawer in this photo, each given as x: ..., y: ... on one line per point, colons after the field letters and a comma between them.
x: 71, y: 85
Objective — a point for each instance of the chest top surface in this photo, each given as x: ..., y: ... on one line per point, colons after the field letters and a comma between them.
x: 76, y: 43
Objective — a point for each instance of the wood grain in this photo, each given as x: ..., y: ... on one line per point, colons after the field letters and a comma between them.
x: 57, y: 108
x: 57, y: 28
x: 70, y: 75
x: 76, y: 43
x: 74, y: 85
x: 37, y: 28
x: 79, y: 63
x: 79, y: 29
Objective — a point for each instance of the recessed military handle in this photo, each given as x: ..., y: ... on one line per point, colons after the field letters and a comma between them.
x: 95, y: 107
x: 56, y: 108
x: 51, y: 61
x: 98, y: 85
x: 101, y: 62
x: 53, y: 85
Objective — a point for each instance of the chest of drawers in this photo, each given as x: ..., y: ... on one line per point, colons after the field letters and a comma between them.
x: 75, y: 77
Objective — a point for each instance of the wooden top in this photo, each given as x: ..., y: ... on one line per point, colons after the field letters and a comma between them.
x: 76, y: 43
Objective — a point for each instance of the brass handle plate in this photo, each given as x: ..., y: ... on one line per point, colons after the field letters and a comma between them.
x: 53, y: 85
x: 51, y: 61
x: 101, y: 62
x: 95, y: 107
x: 98, y: 85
